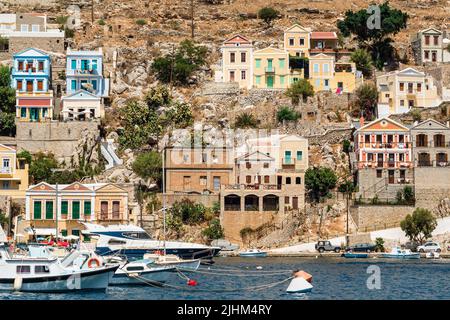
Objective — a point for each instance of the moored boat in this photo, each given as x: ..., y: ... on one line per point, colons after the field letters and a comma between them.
x: 399, y: 253
x: 355, y: 255
x: 143, y: 271
x: 173, y: 261
x: 253, y: 253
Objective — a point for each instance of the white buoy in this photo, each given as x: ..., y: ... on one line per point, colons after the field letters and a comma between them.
x: 299, y: 285
x: 259, y: 268
x: 17, y: 283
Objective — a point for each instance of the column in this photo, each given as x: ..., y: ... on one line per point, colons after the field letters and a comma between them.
x: 260, y: 202
x: 242, y: 203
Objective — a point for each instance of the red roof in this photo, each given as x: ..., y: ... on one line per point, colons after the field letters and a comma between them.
x: 323, y: 35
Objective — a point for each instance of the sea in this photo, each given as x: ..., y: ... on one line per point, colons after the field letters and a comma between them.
x: 267, y: 279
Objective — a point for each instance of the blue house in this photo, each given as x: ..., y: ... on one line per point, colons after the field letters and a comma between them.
x: 84, y: 71
x: 31, y: 77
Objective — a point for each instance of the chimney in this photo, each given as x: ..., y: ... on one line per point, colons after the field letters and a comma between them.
x: 361, y: 121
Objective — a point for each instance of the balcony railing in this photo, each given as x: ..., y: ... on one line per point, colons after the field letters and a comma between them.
x: 269, y: 69
x: 386, y: 145
x: 433, y: 163
x: 6, y: 170
x: 384, y: 164
x: 254, y: 186
x: 432, y: 144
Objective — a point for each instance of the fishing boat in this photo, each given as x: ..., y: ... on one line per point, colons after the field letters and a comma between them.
x: 353, y: 255
x: 399, y: 253
x: 171, y: 260
x: 134, y: 242
x: 253, y: 253
x: 74, y: 272
x: 144, y: 271
x: 433, y: 255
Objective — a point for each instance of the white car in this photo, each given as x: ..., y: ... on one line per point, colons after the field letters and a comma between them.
x: 429, y: 246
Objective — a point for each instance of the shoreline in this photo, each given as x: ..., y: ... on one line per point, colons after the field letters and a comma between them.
x: 444, y: 255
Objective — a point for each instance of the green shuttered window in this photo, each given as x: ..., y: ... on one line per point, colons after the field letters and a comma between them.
x: 64, y: 207
x: 37, y: 209
x: 76, y: 210
x: 49, y: 210
x: 87, y: 207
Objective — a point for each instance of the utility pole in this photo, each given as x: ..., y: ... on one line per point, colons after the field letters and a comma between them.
x: 192, y: 19
x: 56, y: 209
x: 92, y: 11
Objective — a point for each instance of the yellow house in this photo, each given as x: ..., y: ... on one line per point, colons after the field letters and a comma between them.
x: 271, y: 68
x: 13, y: 173
x: 297, y: 40
x: 237, y: 61
x: 327, y: 75
x: 399, y: 91
x: 102, y: 203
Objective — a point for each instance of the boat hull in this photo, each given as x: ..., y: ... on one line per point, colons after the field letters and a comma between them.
x: 137, y: 254
x: 88, y: 280
x: 355, y: 255
x: 155, y: 277
x: 398, y: 256
x: 253, y: 255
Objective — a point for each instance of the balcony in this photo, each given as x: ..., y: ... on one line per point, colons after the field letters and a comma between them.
x: 254, y: 186
x: 83, y: 72
x: 29, y: 71
x: 6, y: 171
x: 288, y: 163
x: 269, y: 70
x: 388, y: 145
x: 383, y: 164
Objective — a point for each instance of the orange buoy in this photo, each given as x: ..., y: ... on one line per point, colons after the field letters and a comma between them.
x: 303, y: 274
x: 192, y: 283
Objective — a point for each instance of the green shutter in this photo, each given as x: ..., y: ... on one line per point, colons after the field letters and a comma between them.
x: 87, y: 207
x: 64, y: 207
x: 76, y: 210
x: 258, y: 63
x: 49, y: 210
x: 258, y: 79
x: 299, y: 155
x: 281, y: 80
x: 76, y: 232
x: 37, y: 210
x: 281, y: 61
x: 64, y: 232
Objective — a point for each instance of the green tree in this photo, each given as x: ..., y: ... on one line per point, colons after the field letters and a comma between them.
x: 179, y: 66
x: 375, y: 39
x: 179, y: 115
x: 319, y: 182
x: 157, y: 97
x: 148, y: 165
x: 3, y: 219
x: 214, y: 230
x: 268, y: 14
x: 366, y: 100
x: 363, y: 61
x: 41, y: 167
x: 419, y: 226
x: 300, y: 89
x: 246, y: 120
x: 346, y: 145
x: 187, y: 211
x: 287, y: 114
x: 408, y: 194
x: 24, y: 154
x: 379, y: 245
x: 7, y: 103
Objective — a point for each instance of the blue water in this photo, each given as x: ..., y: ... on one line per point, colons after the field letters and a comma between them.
x: 333, y: 278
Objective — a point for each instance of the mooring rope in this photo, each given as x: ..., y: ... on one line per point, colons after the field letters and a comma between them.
x: 256, y: 273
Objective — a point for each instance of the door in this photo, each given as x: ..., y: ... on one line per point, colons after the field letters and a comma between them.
x: 104, y: 210
x: 270, y: 82
x: 294, y: 202
x: 116, y: 210
x: 433, y: 56
x: 287, y: 157
x: 232, y: 76
x: 29, y: 86
x: 34, y: 114
x: 380, y: 160
x: 424, y: 159
x: 391, y: 176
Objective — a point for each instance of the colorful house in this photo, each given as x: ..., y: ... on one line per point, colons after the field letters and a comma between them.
x: 102, y: 203
x: 13, y: 173
x: 237, y: 61
x: 82, y: 105
x: 402, y: 90
x: 431, y: 45
x: 84, y: 71
x: 31, y: 77
x: 297, y: 40
x: 271, y: 68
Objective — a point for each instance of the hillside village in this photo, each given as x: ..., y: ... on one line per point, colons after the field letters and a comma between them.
x: 104, y: 103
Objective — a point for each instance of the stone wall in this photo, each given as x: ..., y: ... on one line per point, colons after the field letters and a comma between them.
x: 432, y: 184
x: 233, y: 222
x: 52, y: 44
x: 207, y: 200
x: 64, y: 139
x: 332, y: 136
x: 375, y: 217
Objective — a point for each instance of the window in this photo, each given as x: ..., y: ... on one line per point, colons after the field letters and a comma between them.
x: 232, y: 57
x: 35, y: 28
x: 37, y: 209
x: 24, y: 28
x: 204, y: 158
x: 243, y: 57
x: 419, y: 87
x: 411, y: 103
x: 265, y: 165
x: 286, y: 200
x: 20, y: 65
x: 281, y: 63
x: 379, y: 173
x: 41, y: 66
x: 427, y: 40
x: 326, y: 68
x: 41, y: 269
x: 298, y: 180
x: 402, y: 86
x: 73, y: 64
x: 49, y: 210
x: 436, y: 40
x: 281, y: 80
x: 317, y: 83
x: 84, y: 64
x: 266, y: 179
x: 94, y: 84
x: 40, y: 85
x: 302, y: 41
x: 19, y: 85
x: 23, y: 269
x: 74, y: 85
x: 427, y: 54
x: 203, y: 181
x: 410, y: 87
x: 23, y: 112
x: 258, y: 79
x: 243, y: 75
x: 75, y: 210
x: 326, y: 83
x: 76, y: 232
x: 231, y: 76
x: 248, y: 179
x: 288, y: 180
x: 291, y: 42
x: 367, y: 138
x: 64, y: 207
x: 287, y: 157
x: 94, y: 64
x: 104, y: 210
x: 248, y: 165
x: 402, y: 103
x: 5, y: 185
x: 87, y: 207
x: 258, y: 63
x: 316, y: 67
x: 6, y: 163
x: 299, y: 155
x: 216, y: 183
x: 116, y: 210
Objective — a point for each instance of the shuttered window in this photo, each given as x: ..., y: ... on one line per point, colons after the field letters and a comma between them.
x: 87, y: 207
x: 76, y: 210
x: 49, y: 210
x: 37, y: 209
x: 64, y: 207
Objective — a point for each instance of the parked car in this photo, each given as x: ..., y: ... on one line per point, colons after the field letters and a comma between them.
x: 362, y: 247
x: 411, y: 245
x: 429, y: 246
x: 322, y: 246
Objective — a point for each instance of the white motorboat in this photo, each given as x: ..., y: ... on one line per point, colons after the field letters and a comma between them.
x: 74, y: 272
x: 171, y: 260
x: 399, y: 253
x: 144, y: 271
x: 253, y: 253
x: 433, y: 255
x: 134, y: 242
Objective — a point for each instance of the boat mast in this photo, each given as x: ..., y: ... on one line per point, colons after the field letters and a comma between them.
x: 56, y: 209
x: 164, y: 195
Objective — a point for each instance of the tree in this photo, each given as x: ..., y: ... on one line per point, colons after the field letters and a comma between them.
x: 7, y: 103
x: 347, y: 187
x: 148, y: 165
x: 379, y: 245
x: 188, y: 212
x: 376, y: 39
x: 3, y: 219
x: 41, y: 167
x: 246, y: 120
x: 366, y: 100
x: 419, y: 226
x: 319, y: 182
x: 287, y: 114
x: 179, y: 66
x: 300, y: 89
x: 214, y: 230
x: 268, y: 14
x: 24, y: 154
x: 363, y: 61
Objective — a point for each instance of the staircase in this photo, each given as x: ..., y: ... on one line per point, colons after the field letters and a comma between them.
x: 109, y: 153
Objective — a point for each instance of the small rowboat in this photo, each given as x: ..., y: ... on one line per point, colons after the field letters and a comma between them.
x: 253, y: 253
x: 355, y: 255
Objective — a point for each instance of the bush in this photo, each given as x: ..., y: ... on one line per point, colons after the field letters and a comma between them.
x: 141, y: 22
x: 25, y: 155
x: 379, y: 245
x: 246, y: 120
x: 363, y: 61
x: 287, y: 114
x: 148, y: 165
x: 214, y: 230
x: 300, y: 89
x: 188, y: 212
x: 408, y: 194
x: 416, y: 115
x: 319, y: 182
x: 101, y: 22
x: 268, y: 14
x: 366, y: 100
x: 346, y: 145
x: 41, y: 167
